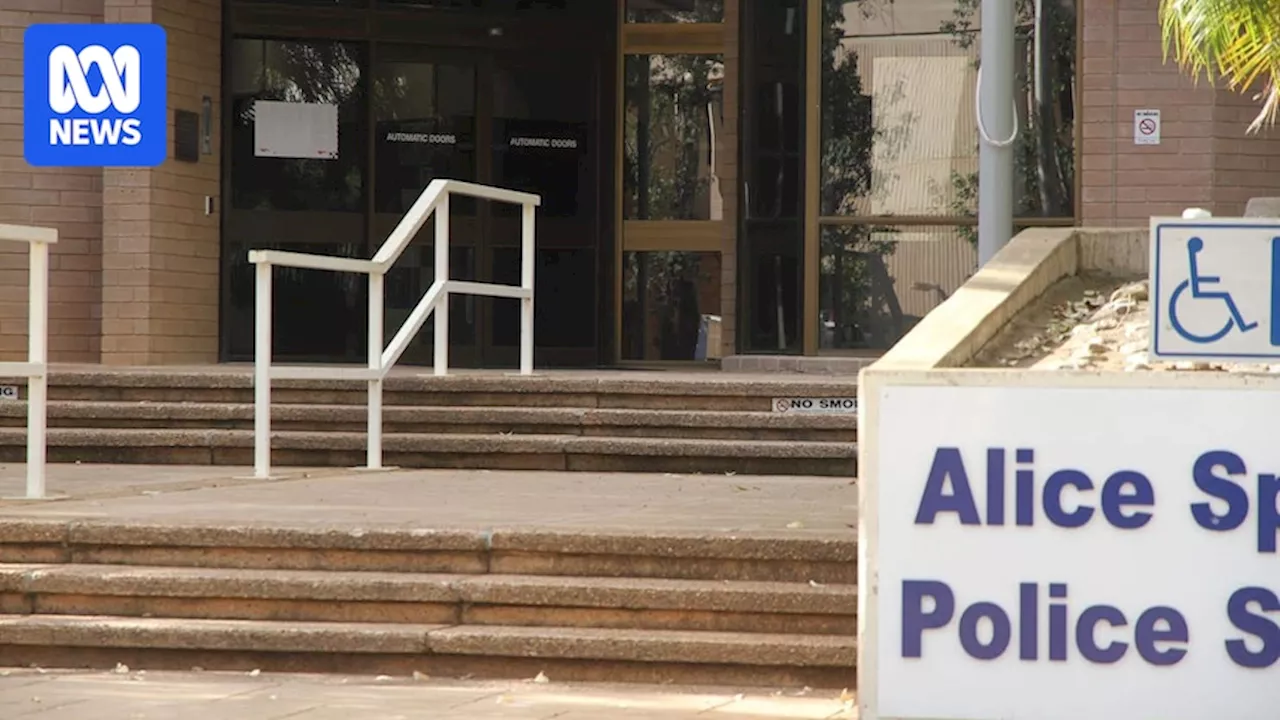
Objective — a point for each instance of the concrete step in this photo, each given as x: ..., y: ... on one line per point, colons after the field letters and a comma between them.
x: 663, y: 391
x: 564, y: 654
x: 480, y: 420
x: 453, y: 450
x: 326, y: 596
x: 788, y: 557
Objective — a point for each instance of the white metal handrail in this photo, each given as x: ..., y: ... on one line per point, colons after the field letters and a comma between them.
x: 434, y: 199
x: 36, y: 368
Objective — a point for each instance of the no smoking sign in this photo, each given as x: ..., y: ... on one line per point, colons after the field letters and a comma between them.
x: 1146, y: 127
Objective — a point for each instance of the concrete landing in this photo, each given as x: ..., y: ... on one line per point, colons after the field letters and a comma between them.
x: 789, y: 507
x: 55, y: 695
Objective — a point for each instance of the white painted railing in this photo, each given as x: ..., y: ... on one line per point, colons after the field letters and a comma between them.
x: 435, y: 199
x: 36, y: 368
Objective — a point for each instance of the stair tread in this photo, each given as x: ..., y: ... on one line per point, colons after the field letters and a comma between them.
x: 557, y: 415
x: 682, y: 646
x: 357, y: 586
x: 446, y: 442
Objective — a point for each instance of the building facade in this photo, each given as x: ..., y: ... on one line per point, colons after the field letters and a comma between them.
x: 719, y: 177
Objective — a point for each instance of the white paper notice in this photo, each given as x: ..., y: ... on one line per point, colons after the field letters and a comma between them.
x: 295, y: 130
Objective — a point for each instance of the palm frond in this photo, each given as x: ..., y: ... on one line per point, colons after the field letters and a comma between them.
x: 1236, y: 41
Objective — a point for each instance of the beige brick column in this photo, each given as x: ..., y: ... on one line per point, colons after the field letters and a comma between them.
x: 69, y: 199
x: 160, y: 250
x: 1204, y: 158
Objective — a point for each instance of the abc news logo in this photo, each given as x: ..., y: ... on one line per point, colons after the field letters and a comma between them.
x: 95, y: 95
x: 69, y: 91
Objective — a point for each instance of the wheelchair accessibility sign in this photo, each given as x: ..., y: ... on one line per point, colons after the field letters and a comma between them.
x: 1215, y: 289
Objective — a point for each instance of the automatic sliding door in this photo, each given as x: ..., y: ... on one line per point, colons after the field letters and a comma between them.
x: 425, y: 127
x: 543, y: 106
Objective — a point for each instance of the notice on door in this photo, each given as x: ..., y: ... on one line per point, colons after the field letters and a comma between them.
x: 295, y: 130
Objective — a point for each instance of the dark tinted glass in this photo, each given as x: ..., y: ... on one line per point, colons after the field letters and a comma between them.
x: 316, y: 72
x: 675, y: 11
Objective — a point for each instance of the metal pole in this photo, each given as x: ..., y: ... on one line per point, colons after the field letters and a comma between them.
x: 440, y: 365
x: 374, y: 459
x: 526, y: 283
x: 38, y: 381
x: 262, y: 374
x: 997, y: 128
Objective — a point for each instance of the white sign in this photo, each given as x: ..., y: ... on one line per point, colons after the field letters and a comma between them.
x: 816, y: 406
x: 1146, y: 127
x: 295, y: 130
x: 1114, y: 559
x: 8, y: 392
x: 1214, y: 289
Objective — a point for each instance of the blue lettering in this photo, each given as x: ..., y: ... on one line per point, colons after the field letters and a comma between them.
x: 1058, y: 622
x: 915, y: 620
x: 1028, y: 621
x: 1146, y: 635
x: 947, y: 465
x: 1268, y: 513
x: 1000, y: 631
x: 1086, y: 638
x: 1127, y: 488
x: 1053, y: 498
x: 1025, y: 488
x: 1221, y: 488
x: 1254, y: 624
x: 995, y: 486
x: 985, y: 629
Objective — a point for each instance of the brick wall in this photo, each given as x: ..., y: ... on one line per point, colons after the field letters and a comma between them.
x: 160, y: 250
x: 68, y: 199
x: 1204, y: 158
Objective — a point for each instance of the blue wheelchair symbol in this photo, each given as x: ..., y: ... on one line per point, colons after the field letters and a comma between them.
x: 1195, y: 283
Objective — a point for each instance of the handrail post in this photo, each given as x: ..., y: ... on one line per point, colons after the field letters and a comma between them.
x: 38, y: 381
x: 440, y: 365
x: 376, y: 291
x: 526, y: 283
x: 262, y: 373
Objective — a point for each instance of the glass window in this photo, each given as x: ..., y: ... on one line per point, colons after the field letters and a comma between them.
x: 772, y: 238
x: 320, y: 3
x: 671, y: 306
x: 899, y: 134
x: 673, y: 118
x: 876, y: 283
x: 675, y: 11
x: 300, y: 72
x: 424, y: 116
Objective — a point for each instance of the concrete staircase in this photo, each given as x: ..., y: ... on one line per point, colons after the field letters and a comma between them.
x: 653, y: 422
x: 661, y: 608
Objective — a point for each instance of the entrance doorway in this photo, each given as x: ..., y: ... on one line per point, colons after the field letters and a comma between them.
x: 516, y: 120
x: 519, y: 109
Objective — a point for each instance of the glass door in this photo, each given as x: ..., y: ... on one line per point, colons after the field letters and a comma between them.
x: 426, y: 126
x: 541, y: 142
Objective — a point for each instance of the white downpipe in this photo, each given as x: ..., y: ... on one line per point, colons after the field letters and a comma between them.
x: 526, y: 284
x: 376, y: 291
x: 38, y: 381
x: 262, y: 373
x: 440, y: 364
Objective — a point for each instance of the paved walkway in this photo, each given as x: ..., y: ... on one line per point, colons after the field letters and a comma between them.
x: 56, y: 695
x: 440, y: 499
